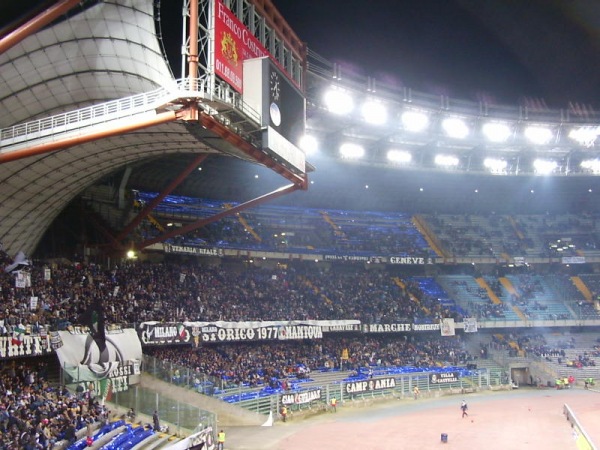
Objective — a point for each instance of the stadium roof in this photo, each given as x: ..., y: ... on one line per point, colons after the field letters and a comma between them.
x: 103, y: 51
x: 109, y: 50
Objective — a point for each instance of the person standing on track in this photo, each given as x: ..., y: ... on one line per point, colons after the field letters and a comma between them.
x: 221, y: 440
x: 464, y: 408
x: 334, y: 404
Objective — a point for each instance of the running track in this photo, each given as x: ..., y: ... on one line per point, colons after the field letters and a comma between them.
x: 520, y: 419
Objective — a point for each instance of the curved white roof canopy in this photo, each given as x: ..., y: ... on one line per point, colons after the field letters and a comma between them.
x: 108, y: 51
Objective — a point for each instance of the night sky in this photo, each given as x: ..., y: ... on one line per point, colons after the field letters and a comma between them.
x: 501, y: 51
x: 497, y: 50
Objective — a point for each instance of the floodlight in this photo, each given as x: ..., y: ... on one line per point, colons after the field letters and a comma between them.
x: 455, y: 127
x: 399, y: 156
x: 495, y: 165
x: 544, y: 166
x: 585, y: 135
x: 415, y: 121
x: 374, y: 112
x: 338, y: 101
x: 495, y: 131
x: 593, y: 165
x: 538, y: 134
x: 446, y: 160
x: 309, y: 144
x: 351, y: 151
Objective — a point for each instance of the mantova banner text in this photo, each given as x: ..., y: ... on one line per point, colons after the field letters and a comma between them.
x: 195, y: 333
x: 158, y: 333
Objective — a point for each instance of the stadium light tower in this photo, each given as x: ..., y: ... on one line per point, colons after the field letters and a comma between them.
x: 338, y: 101
x: 496, y: 131
x: 446, y: 160
x: 537, y: 134
x: 455, y: 127
x: 585, y: 136
x: 399, y: 156
x: 415, y: 121
x: 544, y: 166
x: 374, y: 112
x: 494, y: 165
x: 309, y: 144
x: 351, y: 151
x: 593, y: 165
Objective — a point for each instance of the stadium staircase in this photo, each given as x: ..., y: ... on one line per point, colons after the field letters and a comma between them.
x: 512, y: 291
x: 421, y: 225
x: 481, y: 282
x: 316, y: 290
x: 578, y: 282
x: 401, y: 284
x: 248, y: 228
x: 513, y: 223
x: 336, y: 229
x: 150, y: 217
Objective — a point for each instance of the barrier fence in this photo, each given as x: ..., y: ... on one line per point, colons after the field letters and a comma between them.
x: 309, y: 393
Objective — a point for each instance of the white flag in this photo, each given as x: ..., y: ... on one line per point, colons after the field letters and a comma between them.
x: 23, y: 280
x: 447, y: 327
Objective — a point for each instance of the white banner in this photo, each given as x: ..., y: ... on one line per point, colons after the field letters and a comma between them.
x: 23, y: 280
x: 79, y: 352
x: 447, y: 327
x: 470, y: 324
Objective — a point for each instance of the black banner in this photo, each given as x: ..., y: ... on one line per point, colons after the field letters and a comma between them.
x: 301, y: 397
x: 215, y: 333
x: 164, y: 334
x: 399, y: 327
x: 410, y: 260
x: 377, y: 384
x: 26, y: 346
x: 190, y: 250
x: 444, y: 377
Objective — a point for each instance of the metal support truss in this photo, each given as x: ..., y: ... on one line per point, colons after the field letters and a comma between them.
x: 155, y: 201
x: 203, y: 222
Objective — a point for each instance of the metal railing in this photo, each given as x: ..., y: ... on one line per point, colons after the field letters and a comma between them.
x: 256, y: 400
x: 201, y: 89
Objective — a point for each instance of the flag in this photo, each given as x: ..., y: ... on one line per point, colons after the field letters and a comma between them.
x: 19, y: 263
x: 447, y: 327
x: 470, y: 324
x: 94, y: 319
x: 18, y: 333
x: 23, y: 280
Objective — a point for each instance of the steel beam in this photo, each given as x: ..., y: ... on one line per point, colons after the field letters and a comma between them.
x: 203, y: 222
x: 155, y: 201
x: 35, y: 24
x: 61, y: 144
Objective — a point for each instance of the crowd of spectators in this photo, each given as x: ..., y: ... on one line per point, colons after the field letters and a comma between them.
x: 35, y: 415
x: 177, y: 291
x: 272, y: 364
